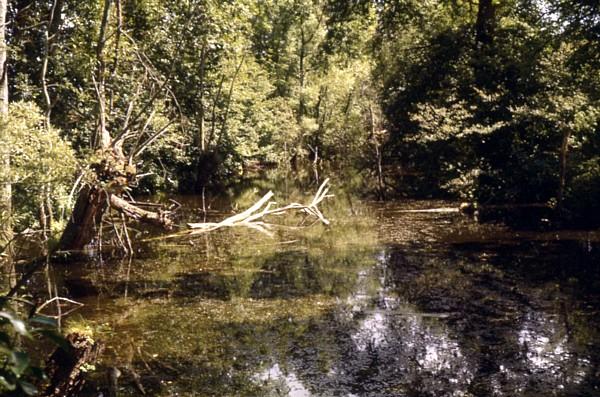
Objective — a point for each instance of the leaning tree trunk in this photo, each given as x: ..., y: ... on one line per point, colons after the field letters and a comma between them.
x: 86, y: 218
x: 65, y: 369
x: 112, y: 175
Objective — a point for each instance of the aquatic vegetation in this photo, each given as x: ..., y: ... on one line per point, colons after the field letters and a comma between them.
x: 355, y: 307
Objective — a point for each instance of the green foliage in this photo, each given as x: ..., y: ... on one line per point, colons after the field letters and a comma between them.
x: 248, y: 76
x: 476, y: 101
x: 486, y: 120
x: 582, y: 197
x: 20, y: 374
x: 42, y: 163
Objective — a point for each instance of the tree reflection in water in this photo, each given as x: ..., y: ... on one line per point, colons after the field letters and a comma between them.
x: 409, y: 305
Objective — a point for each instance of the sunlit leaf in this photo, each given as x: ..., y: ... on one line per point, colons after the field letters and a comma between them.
x: 6, y: 383
x: 18, y: 325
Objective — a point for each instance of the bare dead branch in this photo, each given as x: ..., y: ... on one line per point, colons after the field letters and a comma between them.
x: 159, y: 218
x: 253, y: 216
x: 58, y: 300
x: 138, y: 150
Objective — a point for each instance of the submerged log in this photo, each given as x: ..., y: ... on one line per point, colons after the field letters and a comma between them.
x: 64, y: 369
x: 441, y: 210
x: 471, y: 208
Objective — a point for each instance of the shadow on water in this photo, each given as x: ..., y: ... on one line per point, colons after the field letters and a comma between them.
x: 383, y: 303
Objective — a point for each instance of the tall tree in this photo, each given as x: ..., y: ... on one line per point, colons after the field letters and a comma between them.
x: 5, y: 188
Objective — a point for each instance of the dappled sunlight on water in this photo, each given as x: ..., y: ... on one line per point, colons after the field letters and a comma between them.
x: 284, y: 383
x: 382, y: 303
x: 545, y: 342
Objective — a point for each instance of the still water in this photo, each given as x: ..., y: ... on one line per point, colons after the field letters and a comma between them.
x: 381, y: 303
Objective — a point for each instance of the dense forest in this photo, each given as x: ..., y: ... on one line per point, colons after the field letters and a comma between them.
x: 490, y: 102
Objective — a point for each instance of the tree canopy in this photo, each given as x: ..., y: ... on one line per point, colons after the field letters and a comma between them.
x: 489, y: 101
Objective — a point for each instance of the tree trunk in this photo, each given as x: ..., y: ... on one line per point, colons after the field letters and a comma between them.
x: 103, y: 139
x: 65, y: 368
x: 5, y: 187
x: 484, y: 26
x: 49, y: 36
x: 230, y: 98
x: 378, y: 155
x: 201, y: 127
x: 302, y: 74
x: 86, y: 219
x: 564, y: 153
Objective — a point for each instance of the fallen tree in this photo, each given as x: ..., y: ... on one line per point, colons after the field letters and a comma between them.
x: 254, y: 217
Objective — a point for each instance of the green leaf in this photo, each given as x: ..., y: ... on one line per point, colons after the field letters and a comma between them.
x: 18, y: 324
x: 20, y: 362
x: 44, y: 320
x: 28, y: 388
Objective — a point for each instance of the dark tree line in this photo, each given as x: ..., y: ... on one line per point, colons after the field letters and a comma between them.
x: 494, y: 101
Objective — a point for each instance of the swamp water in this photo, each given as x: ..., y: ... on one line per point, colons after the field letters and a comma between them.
x: 381, y: 303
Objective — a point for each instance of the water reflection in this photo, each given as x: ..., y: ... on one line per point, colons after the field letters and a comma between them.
x: 547, y: 349
x: 384, y: 303
x: 282, y: 384
x: 507, y: 301
x: 393, y: 348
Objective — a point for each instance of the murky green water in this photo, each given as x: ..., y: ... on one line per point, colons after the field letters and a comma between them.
x: 382, y: 303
